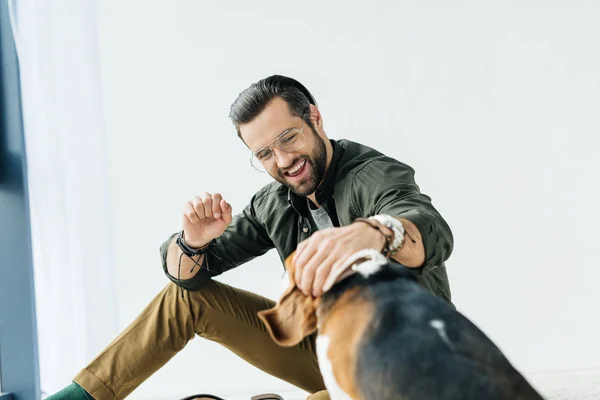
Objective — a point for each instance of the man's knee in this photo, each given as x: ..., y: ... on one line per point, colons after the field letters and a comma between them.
x: 177, y: 311
x: 192, y: 305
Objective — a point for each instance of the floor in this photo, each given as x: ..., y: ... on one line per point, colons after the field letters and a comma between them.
x: 287, y: 396
x: 573, y: 385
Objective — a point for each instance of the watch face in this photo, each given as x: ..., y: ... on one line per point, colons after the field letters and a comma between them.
x: 383, y: 219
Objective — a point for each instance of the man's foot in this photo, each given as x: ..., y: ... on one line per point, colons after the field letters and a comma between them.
x: 71, y: 392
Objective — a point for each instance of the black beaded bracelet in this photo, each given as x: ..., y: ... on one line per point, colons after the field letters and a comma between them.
x: 190, y: 251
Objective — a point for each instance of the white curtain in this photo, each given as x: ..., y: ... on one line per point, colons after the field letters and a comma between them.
x: 68, y: 183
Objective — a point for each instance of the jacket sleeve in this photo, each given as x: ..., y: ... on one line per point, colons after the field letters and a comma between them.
x: 389, y: 187
x: 244, y: 239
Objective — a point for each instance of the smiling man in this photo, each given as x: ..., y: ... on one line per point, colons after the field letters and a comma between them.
x: 323, y: 191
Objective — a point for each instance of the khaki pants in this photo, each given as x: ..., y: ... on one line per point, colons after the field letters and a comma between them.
x: 216, y: 312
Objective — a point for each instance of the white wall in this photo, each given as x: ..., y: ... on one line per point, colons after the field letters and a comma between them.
x: 495, y: 106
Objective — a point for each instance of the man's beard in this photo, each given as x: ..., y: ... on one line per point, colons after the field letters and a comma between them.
x: 317, y: 161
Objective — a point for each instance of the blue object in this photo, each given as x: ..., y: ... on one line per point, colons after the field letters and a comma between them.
x: 19, y: 367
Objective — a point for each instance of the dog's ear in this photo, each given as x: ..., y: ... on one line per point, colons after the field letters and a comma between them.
x: 292, y: 319
x: 294, y: 316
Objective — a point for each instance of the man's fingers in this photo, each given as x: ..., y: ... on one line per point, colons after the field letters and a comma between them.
x: 308, y: 275
x: 198, y: 204
x: 323, y: 271
x: 310, y: 270
x: 216, y: 205
x: 303, y: 253
x: 299, y: 250
x: 190, y: 213
x: 302, y: 250
x: 227, y: 211
x: 208, y: 205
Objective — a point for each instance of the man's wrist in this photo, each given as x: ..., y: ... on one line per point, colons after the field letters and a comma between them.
x: 397, y: 229
x: 385, y: 233
x: 191, y: 250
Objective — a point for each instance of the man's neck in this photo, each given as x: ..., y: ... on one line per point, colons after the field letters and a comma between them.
x: 313, y: 196
x: 313, y: 199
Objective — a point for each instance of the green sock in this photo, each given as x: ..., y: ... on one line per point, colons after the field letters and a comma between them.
x: 71, y: 392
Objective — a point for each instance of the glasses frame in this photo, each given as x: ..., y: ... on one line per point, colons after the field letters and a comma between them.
x: 273, y: 143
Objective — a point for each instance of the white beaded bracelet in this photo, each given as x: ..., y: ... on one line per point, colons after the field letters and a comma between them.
x: 396, y: 226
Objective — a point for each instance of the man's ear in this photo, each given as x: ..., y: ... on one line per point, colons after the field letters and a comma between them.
x: 316, y: 117
x: 294, y: 315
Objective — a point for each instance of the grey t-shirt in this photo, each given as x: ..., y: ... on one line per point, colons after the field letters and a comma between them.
x: 320, y: 218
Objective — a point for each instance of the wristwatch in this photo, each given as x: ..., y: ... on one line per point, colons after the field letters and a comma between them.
x: 395, y: 226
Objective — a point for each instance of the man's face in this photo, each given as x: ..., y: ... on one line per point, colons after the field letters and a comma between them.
x: 302, y: 170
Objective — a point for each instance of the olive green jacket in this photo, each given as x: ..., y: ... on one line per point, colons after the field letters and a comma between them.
x: 361, y: 182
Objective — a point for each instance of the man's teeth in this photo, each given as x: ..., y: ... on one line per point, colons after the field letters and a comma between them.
x: 297, y: 167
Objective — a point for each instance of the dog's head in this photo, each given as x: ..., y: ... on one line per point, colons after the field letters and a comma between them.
x: 295, y: 314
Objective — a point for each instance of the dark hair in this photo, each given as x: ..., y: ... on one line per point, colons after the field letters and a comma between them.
x: 253, y: 100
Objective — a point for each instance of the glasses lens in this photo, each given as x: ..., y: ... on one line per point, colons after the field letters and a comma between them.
x: 261, y: 166
x: 291, y: 141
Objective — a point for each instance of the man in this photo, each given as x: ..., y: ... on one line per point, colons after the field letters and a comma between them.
x: 321, y: 187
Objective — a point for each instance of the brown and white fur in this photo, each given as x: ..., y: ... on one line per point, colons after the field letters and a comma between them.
x: 382, y: 336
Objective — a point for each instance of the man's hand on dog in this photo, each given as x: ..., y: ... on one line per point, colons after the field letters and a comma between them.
x: 316, y: 256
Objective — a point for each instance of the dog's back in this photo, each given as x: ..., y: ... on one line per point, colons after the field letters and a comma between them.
x: 417, y: 347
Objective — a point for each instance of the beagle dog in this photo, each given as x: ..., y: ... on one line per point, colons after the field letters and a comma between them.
x: 382, y: 336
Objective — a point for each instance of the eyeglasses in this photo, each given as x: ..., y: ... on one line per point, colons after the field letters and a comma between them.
x: 291, y: 140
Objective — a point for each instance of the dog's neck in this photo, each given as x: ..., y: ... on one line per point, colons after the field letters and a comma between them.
x: 365, y: 262
x: 333, y: 301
